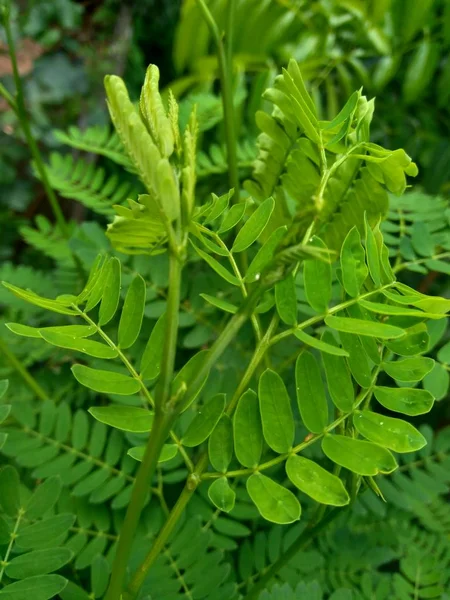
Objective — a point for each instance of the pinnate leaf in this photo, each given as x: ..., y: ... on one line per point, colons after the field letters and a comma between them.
x: 395, y: 434
x: 316, y: 482
x: 358, y: 456
x: 126, y: 418
x: 106, y: 382
x: 275, y: 503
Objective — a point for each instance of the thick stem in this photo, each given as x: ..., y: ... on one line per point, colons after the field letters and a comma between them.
x: 225, y: 59
x: 23, y: 372
x: 158, y: 435
x: 24, y: 122
x: 160, y: 430
x: 300, y: 543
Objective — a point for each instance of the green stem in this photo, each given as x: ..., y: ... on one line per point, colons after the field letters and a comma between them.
x: 21, y: 112
x: 226, y: 75
x: 158, y: 435
x: 160, y: 430
x: 23, y: 372
x: 300, y: 543
x: 12, y: 539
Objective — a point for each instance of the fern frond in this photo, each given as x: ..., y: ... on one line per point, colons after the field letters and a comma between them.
x: 48, y: 239
x: 214, y: 160
x: 98, y: 139
x: 87, y: 183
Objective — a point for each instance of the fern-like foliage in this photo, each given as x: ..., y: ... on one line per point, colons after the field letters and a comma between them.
x: 47, y: 238
x: 96, y: 140
x: 214, y: 160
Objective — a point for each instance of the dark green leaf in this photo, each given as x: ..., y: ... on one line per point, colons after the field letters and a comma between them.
x: 248, y: 436
x: 40, y: 587
x: 44, y: 498
x: 274, y: 502
x: 316, y: 482
x: 132, y: 313
x: 9, y: 490
x: 39, y: 562
x: 217, y: 266
x: 220, y: 303
x: 317, y: 280
x: 111, y: 292
x: 152, y: 356
x: 311, y: 398
x: 43, y: 532
x: 286, y: 300
x: 204, y: 421
x: 340, y: 385
x: 220, y: 445
x: 254, y: 227
x: 276, y: 413
x: 265, y: 254
x: 187, y: 375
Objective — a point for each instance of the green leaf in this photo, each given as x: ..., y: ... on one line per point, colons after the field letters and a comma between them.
x: 9, y: 490
x: 358, y: 360
x: 409, y: 369
x: 4, y: 383
x: 220, y: 303
x: 40, y: 587
x: 414, y: 342
x: 247, y: 427
x: 276, y: 413
x: 152, y: 356
x: 317, y: 280
x: 216, y: 266
x: 39, y: 562
x: 362, y: 327
x: 221, y: 494
x: 167, y: 453
x: 358, y: 456
x: 274, y: 502
x: 32, y: 298
x: 353, y: 265
x: 316, y: 482
x: 219, y: 205
x: 5, y: 409
x: 319, y: 344
x: 220, y: 445
x: 5, y: 531
x: 233, y: 217
x: 286, y: 300
x: 132, y: 313
x: 186, y: 376
x: 389, y: 309
x: 437, y: 382
x: 254, y: 227
x: 407, y: 401
x: 44, y: 498
x: 372, y: 254
x: 89, y: 347
x: 106, y: 382
x: 340, y: 385
x: 111, y: 292
x: 80, y: 331
x: 125, y: 418
x: 432, y: 304
x: 100, y: 572
x: 265, y: 254
x: 311, y: 398
x: 395, y: 434
x: 204, y: 421
x: 43, y: 532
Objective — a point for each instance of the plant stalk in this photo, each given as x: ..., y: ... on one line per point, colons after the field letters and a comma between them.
x: 303, y: 540
x: 20, y: 109
x: 225, y: 60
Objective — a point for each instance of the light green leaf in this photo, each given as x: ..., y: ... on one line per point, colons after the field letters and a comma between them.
x: 276, y: 413
x: 432, y: 304
x: 358, y: 456
x: 414, y: 342
x: 389, y: 309
x: 311, y: 398
x: 186, y: 376
x: 47, y: 303
x: 316, y: 482
x: 106, y: 382
x: 95, y: 287
x: 220, y: 303
x: 409, y: 369
x: 373, y: 257
x: 220, y: 445
x: 221, y: 494
x: 132, y: 313
x: 254, y: 227
x: 319, y: 344
x: 168, y: 189
x: 358, y: 360
x: 5, y: 409
x: 286, y: 300
x: 204, y: 421
x: 247, y: 427
x: 219, y: 205
x: 395, y: 434
x: 111, y: 292
x: 317, y: 280
x: 80, y: 331
x: 89, y: 347
x: 4, y: 383
x: 340, y: 385
x: 265, y: 254
x: 9, y: 490
x: 362, y: 327
x: 353, y: 265
x: 216, y: 266
x: 408, y: 401
x: 40, y: 587
x: 275, y: 503
x: 152, y: 356
x: 39, y: 562
x: 126, y: 418
x: 167, y: 453
x: 233, y: 217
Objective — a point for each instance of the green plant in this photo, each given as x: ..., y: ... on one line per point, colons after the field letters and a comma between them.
x: 205, y: 421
